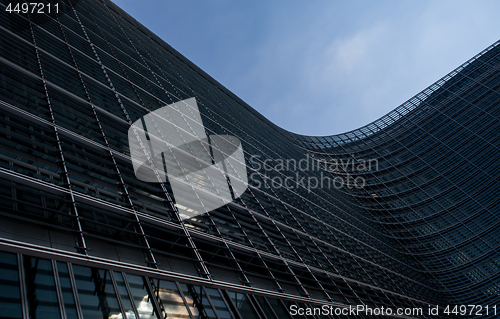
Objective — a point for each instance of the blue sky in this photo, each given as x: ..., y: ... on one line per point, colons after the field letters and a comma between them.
x: 323, y: 67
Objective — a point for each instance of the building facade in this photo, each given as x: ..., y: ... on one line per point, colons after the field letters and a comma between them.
x: 400, y: 214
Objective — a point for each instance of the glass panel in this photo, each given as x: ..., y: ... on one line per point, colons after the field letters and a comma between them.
x: 219, y: 304
x: 267, y: 310
x: 243, y: 305
x: 278, y: 308
x: 197, y: 301
x: 67, y: 292
x: 172, y: 301
x: 122, y: 290
x: 40, y: 288
x: 141, y: 296
x: 10, y: 296
x: 96, y: 293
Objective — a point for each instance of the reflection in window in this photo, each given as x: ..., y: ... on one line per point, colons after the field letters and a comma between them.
x: 141, y: 296
x: 195, y: 297
x: 172, y: 302
x: 219, y: 304
x: 96, y: 293
x: 67, y: 292
x: 122, y: 291
x: 10, y: 297
x: 40, y: 288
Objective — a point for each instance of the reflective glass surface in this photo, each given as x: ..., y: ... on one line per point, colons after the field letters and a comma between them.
x: 10, y: 296
x: 67, y: 291
x: 422, y: 230
x: 142, y: 298
x: 243, y: 305
x: 40, y: 288
x: 96, y: 293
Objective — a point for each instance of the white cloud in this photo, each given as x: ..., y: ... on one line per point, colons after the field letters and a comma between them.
x: 325, y: 67
x: 323, y: 82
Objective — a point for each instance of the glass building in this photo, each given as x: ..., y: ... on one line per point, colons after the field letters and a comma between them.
x: 402, y: 213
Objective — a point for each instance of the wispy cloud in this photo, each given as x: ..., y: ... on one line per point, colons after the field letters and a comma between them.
x: 316, y: 81
x: 325, y: 67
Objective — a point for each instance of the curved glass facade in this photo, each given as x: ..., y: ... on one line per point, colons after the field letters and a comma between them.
x: 401, y: 213
x: 437, y: 185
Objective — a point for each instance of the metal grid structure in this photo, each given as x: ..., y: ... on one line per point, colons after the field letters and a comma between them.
x: 83, y: 238
x: 436, y: 189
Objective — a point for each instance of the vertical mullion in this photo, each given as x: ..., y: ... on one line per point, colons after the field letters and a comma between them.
x: 22, y: 286
x: 244, y: 278
x: 181, y: 293
x: 154, y: 300
x: 204, y: 271
x: 269, y: 307
x: 131, y: 297
x: 257, y: 308
x: 228, y: 306
x: 304, y: 290
x: 82, y: 247
x: 210, y: 301
x: 117, y: 292
x: 230, y: 303
x: 278, y: 286
x: 75, y: 290
x: 152, y: 260
x: 60, y: 299
x: 278, y: 253
x: 295, y: 251
x: 280, y: 301
x: 106, y: 142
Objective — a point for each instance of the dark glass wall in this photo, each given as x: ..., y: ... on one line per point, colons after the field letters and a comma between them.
x: 421, y: 231
x: 436, y: 188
